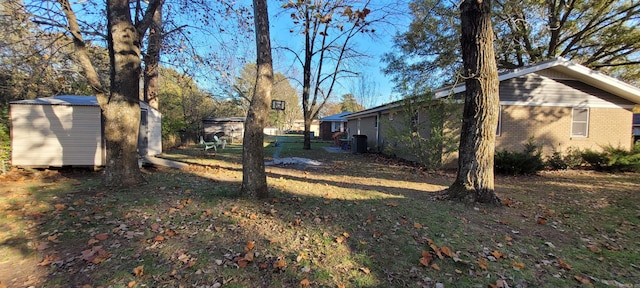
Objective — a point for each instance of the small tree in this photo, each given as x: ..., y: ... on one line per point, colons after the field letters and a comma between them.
x: 426, y: 130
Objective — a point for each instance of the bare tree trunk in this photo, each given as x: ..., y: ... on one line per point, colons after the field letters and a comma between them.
x: 475, y: 179
x: 306, y: 80
x: 122, y: 109
x: 151, y: 60
x: 254, y: 178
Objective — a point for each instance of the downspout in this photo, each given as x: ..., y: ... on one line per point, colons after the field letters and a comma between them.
x: 378, y: 141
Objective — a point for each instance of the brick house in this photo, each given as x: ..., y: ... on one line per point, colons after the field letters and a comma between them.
x: 333, y: 123
x: 557, y: 102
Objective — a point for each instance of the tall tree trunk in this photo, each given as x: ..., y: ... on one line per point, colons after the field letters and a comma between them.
x: 151, y: 60
x: 122, y: 108
x: 254, y: 178
x: 474, y: 181
x: 306, y: 80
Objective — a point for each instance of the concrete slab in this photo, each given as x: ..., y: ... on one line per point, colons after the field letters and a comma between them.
x: 164, y: 162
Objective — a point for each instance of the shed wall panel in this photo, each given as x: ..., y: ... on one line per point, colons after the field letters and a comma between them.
x: 56, y: 135
x: 155, y: 132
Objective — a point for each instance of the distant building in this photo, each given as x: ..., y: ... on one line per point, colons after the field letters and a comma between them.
x: 333, y: 123
x: 231, y: 128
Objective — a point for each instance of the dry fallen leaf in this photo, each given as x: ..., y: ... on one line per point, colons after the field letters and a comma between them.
x: 53, y: 238
x: 436, y: 250
x: 392, y: 204
x: 249, y: 256
x: 249, y: 246
x: 102, y: 236
x: 305, y: 282
x: 280, y: 264
x: 446, y: 251
x: 564, y: 265
x: 583, y: 280
x: 365, y: 270
x: 541, y: 221
x: 483, y: 264
x: 497, y: 254
x: 48, y: 260
x: 131, y: 284
x: 426, y: 258
x: 138, y: 271
x: 242, y: 262
x: 518, y: 265
x: 594, y: 248
x: 435, y: 267
x: 417, y: 225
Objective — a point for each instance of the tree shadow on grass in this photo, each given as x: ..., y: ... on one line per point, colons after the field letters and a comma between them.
x: 188, y: 228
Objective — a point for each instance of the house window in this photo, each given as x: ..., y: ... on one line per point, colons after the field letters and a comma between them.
x: 390, y: 116
x: 499, y: 128
x: 335, y: 126
x: 580, y: 122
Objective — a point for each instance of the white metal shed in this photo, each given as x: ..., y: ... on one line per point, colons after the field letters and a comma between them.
x: 68, y: 130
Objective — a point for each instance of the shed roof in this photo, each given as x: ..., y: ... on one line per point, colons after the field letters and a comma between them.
x: 70, y: 100
x: 223, y: 119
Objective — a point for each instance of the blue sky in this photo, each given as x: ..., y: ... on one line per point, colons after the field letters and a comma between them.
x: 243, y: 46
x: 231, y: 49
x: 373, y: 45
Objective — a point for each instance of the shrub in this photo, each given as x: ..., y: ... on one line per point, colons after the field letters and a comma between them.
x: 594, y: 159
x: 613, y: 159
x: 529, y: 161
x: 556, y: 162
x: 5, y: 139
x: 573, y: 158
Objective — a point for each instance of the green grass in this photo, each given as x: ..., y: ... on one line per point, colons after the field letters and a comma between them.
x: 355, y: 221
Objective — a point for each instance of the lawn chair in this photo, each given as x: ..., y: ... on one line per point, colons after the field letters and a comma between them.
x: 208, y: 145
x: 215, y: 144
x: 220, y: 142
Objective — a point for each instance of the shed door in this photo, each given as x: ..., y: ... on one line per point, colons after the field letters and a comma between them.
x: 143, y: 135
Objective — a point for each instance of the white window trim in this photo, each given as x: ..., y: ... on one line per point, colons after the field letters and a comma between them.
x: 573, y: 121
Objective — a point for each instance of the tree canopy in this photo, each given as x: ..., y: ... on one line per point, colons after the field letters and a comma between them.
x: 602, y: 35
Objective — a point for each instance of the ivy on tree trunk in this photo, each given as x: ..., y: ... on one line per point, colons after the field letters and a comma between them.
x: 475, y: 179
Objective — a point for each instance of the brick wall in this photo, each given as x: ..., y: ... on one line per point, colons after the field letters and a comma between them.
x: 551, y: 128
